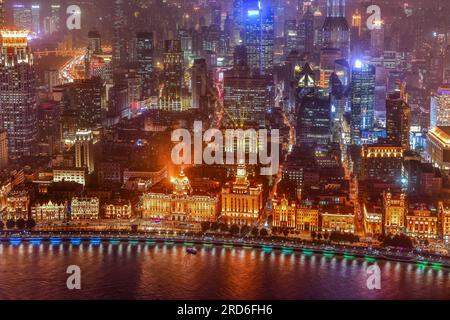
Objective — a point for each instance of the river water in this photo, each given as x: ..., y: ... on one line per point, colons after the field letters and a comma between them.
x: 141, y: 271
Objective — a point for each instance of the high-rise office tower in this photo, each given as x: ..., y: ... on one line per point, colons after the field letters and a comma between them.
x: 84, y: 150
x: 22, y: 17
x: 308, y: 25
x: 172, y: 93
x: 144, y: 56
x: 49, y: 128
x: 398, y: 119
x: 314, y: 118
x: 87, y: 102
x: 440, y: 107
x: 55, y: 16
x: 259, y: 36
x: 246, y: 97
x: 238, y: 21
x: 36, y: 18
x: 17, y: 93
x: 362, y: 99
x: 94, y: 47
x: 291, y: 36
x: 3, y: 149
x: 336, y: 32
x: 119, y: 45
x: 199, y: 84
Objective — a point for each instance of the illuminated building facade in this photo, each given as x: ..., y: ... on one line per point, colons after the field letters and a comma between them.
x: 382, y: 163
x: 171, y: 97
x: 398, y: 120
x: 179, y: 202
x: 84, y: 150
x: 117, y: 209
x: 440, y: 108
x: 85, y: 208
x: 259, y: 35
x: 336, y: 32
x: 3, y: 149
x: 18, y: 204
x: 307, y: 218
x: 438, y: 147
x: 18, y: 98
x: 246, y: 97
x: 394, y: 212
x: 47, y: 211
x: 22, y: 17
x: 242, y: 200
x: 422, y: 222
x: 69, y: 175
x: 283, y: 214
x: 362, y: 99
x: 338, y: 219
x: 144, y: 56
x: 444, y: 215
x: 373, y: 220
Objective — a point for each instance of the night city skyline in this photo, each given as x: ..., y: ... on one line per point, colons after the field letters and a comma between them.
x: 225, y: 149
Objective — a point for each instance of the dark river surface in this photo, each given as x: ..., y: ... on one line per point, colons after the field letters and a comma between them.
x: 141, y: 271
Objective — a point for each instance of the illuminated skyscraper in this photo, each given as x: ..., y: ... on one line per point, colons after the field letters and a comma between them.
x: 119, y: 45
x: 314, y: 118
x: 259, y: 35
x: 291, y: 36
x: 144, y: 56
x: 308, y: 25
x: 35, y: 18
x: 55, y: 11
x: 17, y: 93
x: 22, y: 17
x: 440, y: 108
x: 362, y: 99
x: 246, y: 97
x: 336, y: 32
x: 398, y: 119
x: 172, y: 96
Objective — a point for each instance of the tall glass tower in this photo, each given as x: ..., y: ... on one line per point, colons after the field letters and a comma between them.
x: 336, y: 32
x: 18, y: 115
x: 259, y: 36
x: 362, y: 99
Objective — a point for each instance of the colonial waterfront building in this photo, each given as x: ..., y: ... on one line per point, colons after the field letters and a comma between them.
x: 18, y: 204
x: 242, y: 200
x: 300, y: 217
x: 85, y: 208
x: 422, y: 222
x: 46, y: 211
x: 394, y: 212
x: 338, y: 218
x: 373, y: 219
x: 70, y: 175
x: 178, y: 201
x: 444, y: 214
x: 117, y: 209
